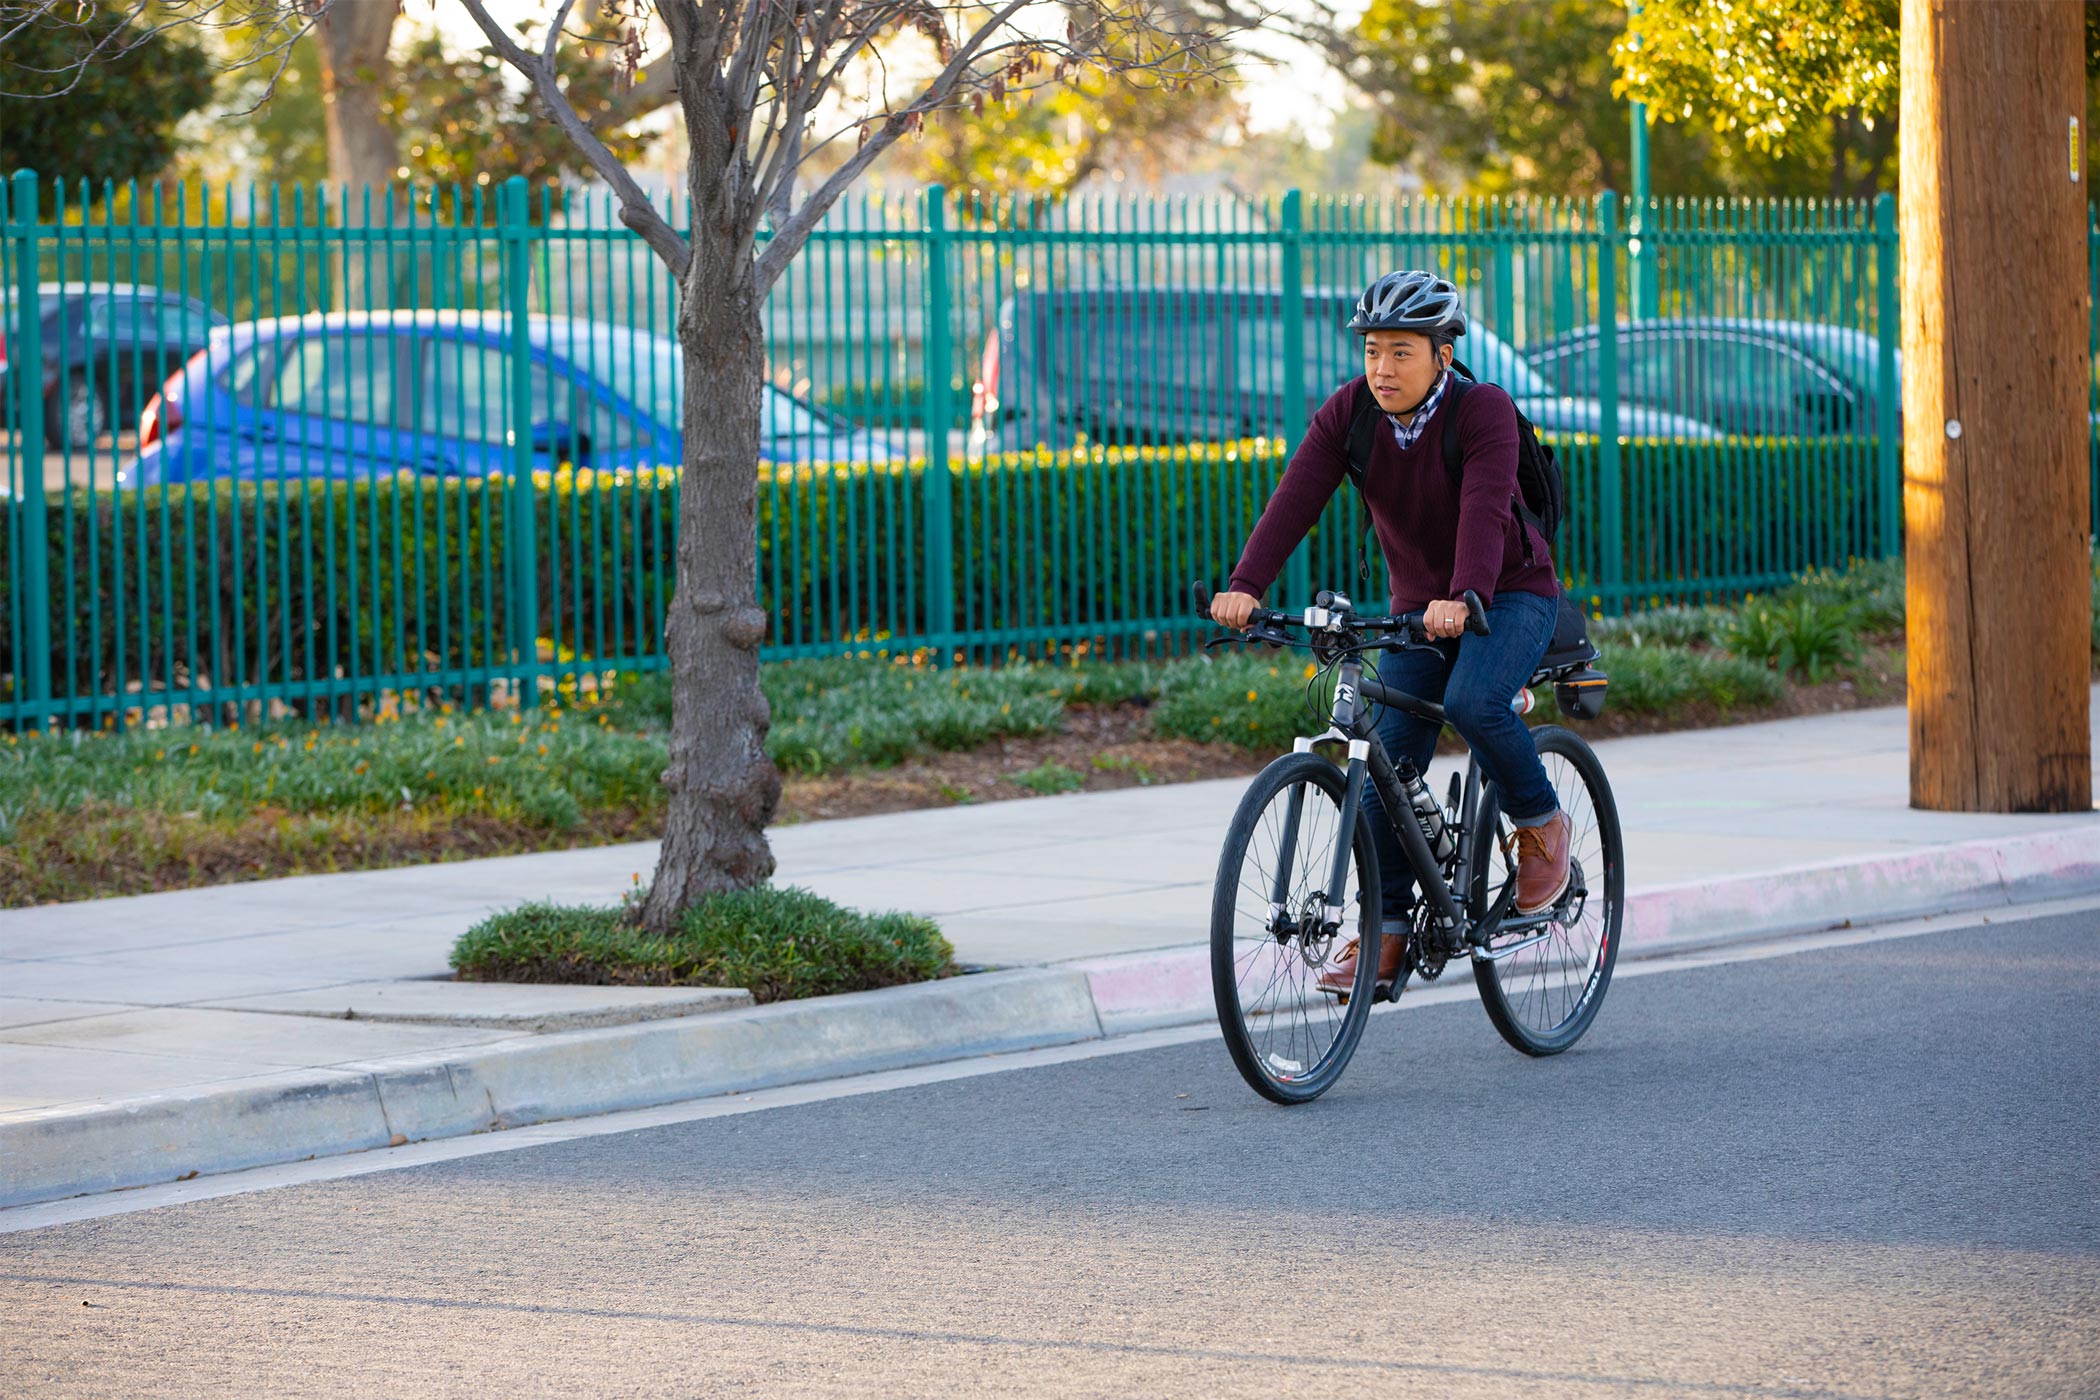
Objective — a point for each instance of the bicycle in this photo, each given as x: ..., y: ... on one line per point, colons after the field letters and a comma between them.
x: 1541, y: 977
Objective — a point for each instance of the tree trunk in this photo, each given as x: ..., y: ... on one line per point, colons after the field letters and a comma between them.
x: 723, y: 788
x: 1995, y: 491
x: 353, y: 36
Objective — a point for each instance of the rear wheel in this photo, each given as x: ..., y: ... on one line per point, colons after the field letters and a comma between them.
x: 1544, y: 984
x: 1291, y: 1039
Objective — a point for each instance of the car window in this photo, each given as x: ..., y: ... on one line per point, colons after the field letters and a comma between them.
x: 787, y: 416
x: 1650, y: 371
x: 1759, y: 387
x: 464, y: 391
x: 349, y: 378
x: 243, y: 378
x: 125, y: 317
x: 186, y: 323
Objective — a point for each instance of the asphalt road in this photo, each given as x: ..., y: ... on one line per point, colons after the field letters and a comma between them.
x: 1858, y: 1171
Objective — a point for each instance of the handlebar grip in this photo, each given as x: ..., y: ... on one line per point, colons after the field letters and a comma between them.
x: 1476, y: 614
x: 1201, y: 591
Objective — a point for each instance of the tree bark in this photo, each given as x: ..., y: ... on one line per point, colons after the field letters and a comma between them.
x: 722, y: 787
x: 1995, y: 362
x: 353, y: 36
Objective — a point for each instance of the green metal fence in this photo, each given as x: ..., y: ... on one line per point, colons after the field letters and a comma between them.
x: 993, y: 427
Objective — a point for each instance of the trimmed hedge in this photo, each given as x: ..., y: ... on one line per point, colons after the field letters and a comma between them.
x: 401, y: 581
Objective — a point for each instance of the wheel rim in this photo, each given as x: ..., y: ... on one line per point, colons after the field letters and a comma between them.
x: 83, y: 415
x: 1292, y: 1027
x: 1549, y: 984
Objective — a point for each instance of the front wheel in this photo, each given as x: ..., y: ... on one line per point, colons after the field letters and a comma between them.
x: 1290, y: 1037
x: 1543, y: 988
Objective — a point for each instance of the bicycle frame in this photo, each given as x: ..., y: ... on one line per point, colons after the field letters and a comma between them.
x: 1368, y: 761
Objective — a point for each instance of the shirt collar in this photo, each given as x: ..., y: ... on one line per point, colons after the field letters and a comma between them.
x: 1407, y: 434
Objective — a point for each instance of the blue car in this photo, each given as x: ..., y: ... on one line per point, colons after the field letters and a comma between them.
x: 365, y: 394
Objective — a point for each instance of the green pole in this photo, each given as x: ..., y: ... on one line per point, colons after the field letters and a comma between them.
x: 33, y: 543
x: 1888, y: 442
x: 1298, y: 574
x: 940, y: 480
x: 1643, y: 253
x: 1611, y: 488
x: 520, y: 535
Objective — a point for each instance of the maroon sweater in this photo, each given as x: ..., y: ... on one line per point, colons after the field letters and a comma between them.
x: 1439, y: 537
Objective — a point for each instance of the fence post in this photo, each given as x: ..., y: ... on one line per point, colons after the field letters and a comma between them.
x: 32, y: 542
x: 939, y: 351
x: 1888, y: 443
x: 520, y: 534
x: 1611, y: 538
x: 1298, y: 574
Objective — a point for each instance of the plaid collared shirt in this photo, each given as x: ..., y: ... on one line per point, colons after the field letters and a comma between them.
x: 1406, y: 434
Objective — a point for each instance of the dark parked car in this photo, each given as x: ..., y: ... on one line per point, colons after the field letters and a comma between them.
x: 1778, y: 378
x: 1197, y: 364
x: 357, y: 395
x: 106, y: 346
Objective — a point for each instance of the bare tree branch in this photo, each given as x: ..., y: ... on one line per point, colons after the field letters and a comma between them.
x: 636, y: 210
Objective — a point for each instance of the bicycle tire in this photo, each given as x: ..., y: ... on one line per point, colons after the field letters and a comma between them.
x: 1290, y: 1073
x: 1521, y: 992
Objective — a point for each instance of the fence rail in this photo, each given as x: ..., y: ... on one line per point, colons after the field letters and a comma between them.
x: 437, y: 454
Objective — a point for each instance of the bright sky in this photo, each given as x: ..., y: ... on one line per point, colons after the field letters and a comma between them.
x: 1285, y: 82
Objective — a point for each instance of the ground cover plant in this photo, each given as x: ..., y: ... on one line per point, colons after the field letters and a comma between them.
x: 780, y: 943
x: 86, y: 813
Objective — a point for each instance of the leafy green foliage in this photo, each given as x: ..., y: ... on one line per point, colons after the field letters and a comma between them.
x: 1764, y: 67
x: 1254, y: 699
x: 1516, y: 95
x: 1046, y: 779
x: 849, y: 713
x: 1658, y: 679
x: 1871, y: 589
x: 1044, y: 143
x: 88, y: 96
x: 779, y: 942
x: 547, y: 769
x: 1670, y: 626
x: 1801, y: 636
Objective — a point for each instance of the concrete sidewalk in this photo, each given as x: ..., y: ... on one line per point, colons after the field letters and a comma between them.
x: 243, y: 989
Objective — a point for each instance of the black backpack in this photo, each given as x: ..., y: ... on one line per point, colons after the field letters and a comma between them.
x: 1541, y: 500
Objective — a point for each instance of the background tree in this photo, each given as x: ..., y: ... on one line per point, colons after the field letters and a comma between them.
x: 1787, y: 77
x: 1499, y: 96
x: 354, y: 38
x: 762, y: 90
x: 92, y: 94
x: 463, y: 116
x: 1046, y: 143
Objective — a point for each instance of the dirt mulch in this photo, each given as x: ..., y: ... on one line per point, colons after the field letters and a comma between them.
x: 99, y: 852
x: 1108, y: 747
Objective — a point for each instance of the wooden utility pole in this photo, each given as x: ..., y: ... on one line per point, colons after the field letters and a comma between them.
x: 1995, y: 496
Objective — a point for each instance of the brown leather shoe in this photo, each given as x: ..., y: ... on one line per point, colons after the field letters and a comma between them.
x: 1342, y: 976
x: 1542, y: 863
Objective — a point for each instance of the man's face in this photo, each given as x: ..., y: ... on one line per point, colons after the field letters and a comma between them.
x: 1401, y: 366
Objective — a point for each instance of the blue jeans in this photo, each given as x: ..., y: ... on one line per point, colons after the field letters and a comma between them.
x: 1474, y: 678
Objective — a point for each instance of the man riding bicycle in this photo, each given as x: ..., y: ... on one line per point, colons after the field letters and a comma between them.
x: 1441, y: 535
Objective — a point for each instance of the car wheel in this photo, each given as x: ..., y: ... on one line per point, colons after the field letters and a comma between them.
x: 76, y: 417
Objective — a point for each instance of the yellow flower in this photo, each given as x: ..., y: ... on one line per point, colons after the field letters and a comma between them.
x: 1311, y: 670
x: 1251, y: 697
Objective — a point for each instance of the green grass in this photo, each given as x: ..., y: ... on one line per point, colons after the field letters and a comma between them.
x: 780, y: 943
x: 1255, y: 699
x: 546, y: 770
x: 1046, y: 779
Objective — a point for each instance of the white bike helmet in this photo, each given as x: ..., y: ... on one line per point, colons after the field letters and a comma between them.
x: 1410, y: 301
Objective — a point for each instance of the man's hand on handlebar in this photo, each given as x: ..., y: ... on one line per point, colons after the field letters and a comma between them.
x: 1444, y: 618
x: 1234, y: 609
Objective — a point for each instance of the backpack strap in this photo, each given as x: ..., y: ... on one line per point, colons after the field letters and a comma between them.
x: 1454, y: 460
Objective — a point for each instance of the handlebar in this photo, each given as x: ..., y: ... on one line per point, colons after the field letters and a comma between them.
x: 1267, y: 624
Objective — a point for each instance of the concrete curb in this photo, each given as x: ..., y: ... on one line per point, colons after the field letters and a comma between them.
x: 354, y: 1107
x: 350, y: 1108
x: 1169, y: 986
